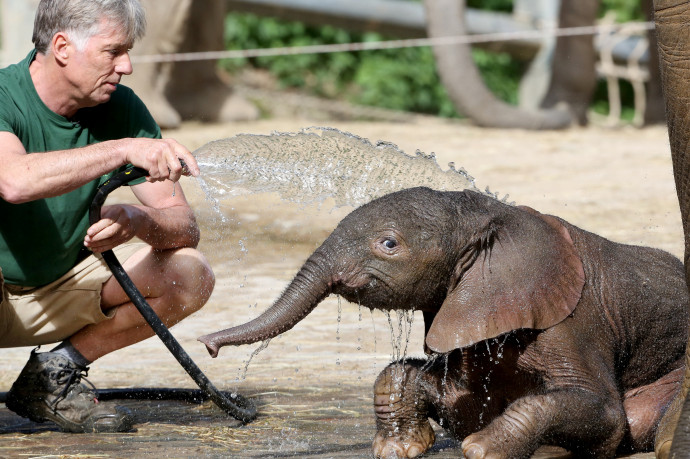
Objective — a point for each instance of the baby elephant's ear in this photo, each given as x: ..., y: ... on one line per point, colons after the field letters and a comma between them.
x: 528, y: 276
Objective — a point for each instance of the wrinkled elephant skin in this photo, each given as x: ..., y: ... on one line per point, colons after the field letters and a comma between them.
x: 537, y: 332
x: 673, y: 36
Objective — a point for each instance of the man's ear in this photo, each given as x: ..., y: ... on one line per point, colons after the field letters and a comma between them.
x: 60, y: 45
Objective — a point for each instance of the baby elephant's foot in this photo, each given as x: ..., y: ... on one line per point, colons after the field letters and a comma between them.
x: 401, y: 414
x: 407, y: 443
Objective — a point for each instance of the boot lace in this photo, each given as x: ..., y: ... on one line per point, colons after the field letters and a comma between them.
x: 71, y: 378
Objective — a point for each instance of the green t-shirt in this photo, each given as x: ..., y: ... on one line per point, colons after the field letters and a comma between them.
x: 41, y: 240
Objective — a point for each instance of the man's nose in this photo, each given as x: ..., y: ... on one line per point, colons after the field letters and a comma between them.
x: 123, y: 65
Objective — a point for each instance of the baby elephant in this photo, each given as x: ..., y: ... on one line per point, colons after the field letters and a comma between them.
x: 537, y: 332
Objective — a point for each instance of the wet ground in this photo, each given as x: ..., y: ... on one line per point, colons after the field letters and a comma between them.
x: 313, y: 384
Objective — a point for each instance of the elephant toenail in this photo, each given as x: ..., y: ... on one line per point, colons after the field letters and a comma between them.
x: 414, y: 451
x: 473, y: 452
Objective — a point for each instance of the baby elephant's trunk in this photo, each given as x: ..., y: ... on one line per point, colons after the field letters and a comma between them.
x: 302, y: 295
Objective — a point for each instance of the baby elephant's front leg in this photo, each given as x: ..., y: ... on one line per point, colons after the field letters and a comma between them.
x: 403, y: 428
x: 587, y: 424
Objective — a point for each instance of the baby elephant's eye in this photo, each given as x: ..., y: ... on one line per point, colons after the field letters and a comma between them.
x: 387, y: 244
x: 390, y: 243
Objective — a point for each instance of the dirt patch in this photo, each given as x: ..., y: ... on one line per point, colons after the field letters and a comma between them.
x: 313, y: 384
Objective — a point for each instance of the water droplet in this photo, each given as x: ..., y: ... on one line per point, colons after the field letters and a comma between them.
x: 264, y: 345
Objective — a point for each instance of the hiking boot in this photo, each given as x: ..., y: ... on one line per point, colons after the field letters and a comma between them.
x: 49, y: 389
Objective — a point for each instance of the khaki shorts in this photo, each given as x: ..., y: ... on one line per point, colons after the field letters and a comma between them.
x: 30, y: 316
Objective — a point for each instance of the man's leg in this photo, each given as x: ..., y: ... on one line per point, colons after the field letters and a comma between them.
x: 175, y: 284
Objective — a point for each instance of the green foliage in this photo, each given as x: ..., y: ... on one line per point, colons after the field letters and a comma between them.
x: 322, y: 73
x: 501, y: 73
x: 626, y: 10
x: 492, y: 5
x: 402, y: 79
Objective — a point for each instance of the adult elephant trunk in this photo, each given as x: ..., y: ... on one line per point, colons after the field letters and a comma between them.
x: 673, y: 35
x: 309, y: 287
x: 462, y: 80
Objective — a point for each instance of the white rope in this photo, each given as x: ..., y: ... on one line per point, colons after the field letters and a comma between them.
x: 394, y: 44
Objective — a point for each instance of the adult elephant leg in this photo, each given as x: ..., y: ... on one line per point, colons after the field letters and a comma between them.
x: 195, y: 89
x: 573, y: 77
x: 673, y: 35
x: 654, y: 105
x: 165, y: 25
x: 460, y: 76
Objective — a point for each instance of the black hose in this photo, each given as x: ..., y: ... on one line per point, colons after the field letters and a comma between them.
x: 235, y: 405
x: 148, y: 393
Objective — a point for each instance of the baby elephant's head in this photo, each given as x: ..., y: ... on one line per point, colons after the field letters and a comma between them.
x: 480, y: 266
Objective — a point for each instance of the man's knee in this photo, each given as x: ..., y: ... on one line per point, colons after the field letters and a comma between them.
x: 194, y: 277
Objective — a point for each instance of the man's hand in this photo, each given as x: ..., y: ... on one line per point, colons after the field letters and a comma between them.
x: 116, y: 226
x: 162, y: 220
x: 161, y: 158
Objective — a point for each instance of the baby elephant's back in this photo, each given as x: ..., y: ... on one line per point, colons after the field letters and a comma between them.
x: 639, y: 293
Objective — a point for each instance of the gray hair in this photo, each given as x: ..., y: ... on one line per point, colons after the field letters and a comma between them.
x: 80, y: 19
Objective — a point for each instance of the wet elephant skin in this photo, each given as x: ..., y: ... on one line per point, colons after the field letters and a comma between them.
x: 537, y: 332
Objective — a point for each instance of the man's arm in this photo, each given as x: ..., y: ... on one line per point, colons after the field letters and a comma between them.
x: 26, y: 177
x: 162, y: 220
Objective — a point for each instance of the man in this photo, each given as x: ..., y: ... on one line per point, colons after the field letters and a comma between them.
x: 65, y: 126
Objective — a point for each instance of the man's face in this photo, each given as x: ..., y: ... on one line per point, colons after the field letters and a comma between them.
x: 95, y: 71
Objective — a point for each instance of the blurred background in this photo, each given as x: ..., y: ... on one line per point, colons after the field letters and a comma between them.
x: 533, y: 54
